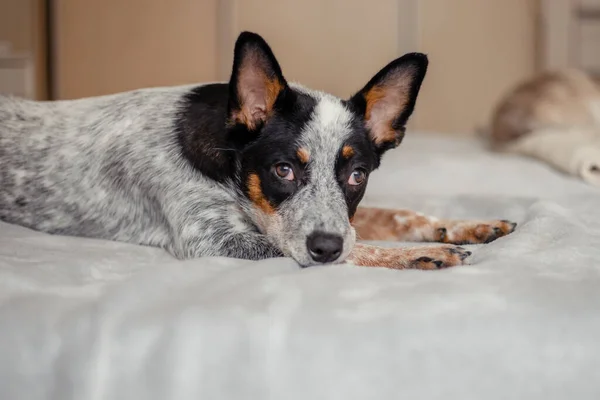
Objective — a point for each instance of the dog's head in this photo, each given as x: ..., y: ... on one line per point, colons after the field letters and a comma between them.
x: 306, y: 156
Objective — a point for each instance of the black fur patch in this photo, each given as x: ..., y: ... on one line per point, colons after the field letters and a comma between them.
x: 202, y: 134
x: 215, y: 149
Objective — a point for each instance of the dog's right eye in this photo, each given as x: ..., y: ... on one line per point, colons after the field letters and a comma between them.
x: 285, y: 171
x: 357, y: 177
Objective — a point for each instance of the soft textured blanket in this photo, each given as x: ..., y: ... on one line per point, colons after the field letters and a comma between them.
x: 574, y: 150
x: 89, y: 319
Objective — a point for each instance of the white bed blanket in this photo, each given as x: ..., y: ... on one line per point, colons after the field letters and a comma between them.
x: 89, y: 319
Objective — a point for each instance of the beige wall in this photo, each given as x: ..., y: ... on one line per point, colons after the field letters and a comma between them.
x: 333, y: 45
x: 477, y: 50
x: 22, y: 23
x: 107, y: 46
x: 16, y: 23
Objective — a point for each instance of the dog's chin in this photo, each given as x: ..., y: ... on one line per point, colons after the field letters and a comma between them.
x: 315, y: 264
x: 306, y: 261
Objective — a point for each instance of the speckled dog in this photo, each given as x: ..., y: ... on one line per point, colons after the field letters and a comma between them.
x: 254, y: 168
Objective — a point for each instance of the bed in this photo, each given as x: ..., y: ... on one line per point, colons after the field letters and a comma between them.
x: 91, y: 319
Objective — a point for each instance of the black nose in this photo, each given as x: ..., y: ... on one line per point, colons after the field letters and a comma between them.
x: 324, y: 247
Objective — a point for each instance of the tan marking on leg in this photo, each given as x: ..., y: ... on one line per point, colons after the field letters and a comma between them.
x: 400, y: 225
x: 303, y: 155
x: 256, y: 195
x: 347, y: 151
x: 413, y: 258
x: 406, y: 225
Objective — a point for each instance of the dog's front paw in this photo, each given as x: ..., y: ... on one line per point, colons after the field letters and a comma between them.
x: 473, y: 232
x: 438, y: 257
x: 426, y: 258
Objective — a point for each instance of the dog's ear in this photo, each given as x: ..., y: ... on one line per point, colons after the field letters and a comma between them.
x: 388, y: 100
x: 256, y: 82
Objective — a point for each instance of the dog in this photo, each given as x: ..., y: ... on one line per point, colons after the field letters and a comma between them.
x: 254, y: 168
x: 553, y: 117
x: 560, y: 100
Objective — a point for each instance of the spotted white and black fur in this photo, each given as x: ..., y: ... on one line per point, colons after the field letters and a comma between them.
x: 254, y: 168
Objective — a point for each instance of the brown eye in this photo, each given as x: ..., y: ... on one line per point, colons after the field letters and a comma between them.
x: 357, y: 177
x: 285, y: 171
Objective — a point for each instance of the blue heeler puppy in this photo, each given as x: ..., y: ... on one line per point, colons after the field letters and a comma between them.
x: 254, y: 168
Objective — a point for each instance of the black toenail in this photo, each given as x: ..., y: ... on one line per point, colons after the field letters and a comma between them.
x: 497, y: 231
x: 513, y: 225
x: 442, y: 232
x: 438, y: 263
x: 468, y: 253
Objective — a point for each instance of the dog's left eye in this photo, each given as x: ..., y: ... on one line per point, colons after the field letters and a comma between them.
x: 285, y: 171
x: 357, y: 177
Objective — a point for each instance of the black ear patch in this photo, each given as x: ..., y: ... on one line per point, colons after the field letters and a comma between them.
x: 388, y: 100
x: 256, y: 82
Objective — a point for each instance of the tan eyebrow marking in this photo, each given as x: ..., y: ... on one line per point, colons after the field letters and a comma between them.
x: 303, y: 155
x: 347, y: 151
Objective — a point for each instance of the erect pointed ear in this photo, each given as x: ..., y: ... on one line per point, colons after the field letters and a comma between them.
x: 388, y: 100
x: 256, y: 81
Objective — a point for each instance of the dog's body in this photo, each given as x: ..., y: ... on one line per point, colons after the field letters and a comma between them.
x: 560, y: 100
x: 252, y: 169
x: 112, y: 167
x: 553, y: 117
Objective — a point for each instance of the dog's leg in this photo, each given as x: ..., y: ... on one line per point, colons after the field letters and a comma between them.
x: 410, y: 258
x: 410, y: 226
x: 213, y: 226
x: 248, y: 246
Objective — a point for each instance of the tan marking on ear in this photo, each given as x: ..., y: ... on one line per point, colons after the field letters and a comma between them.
x: 347, y: 151
x: 258, y: 93
x: 384, y: 105
x: 257, y: 196
x: 303, y: 155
